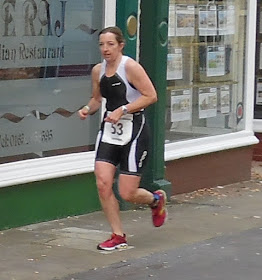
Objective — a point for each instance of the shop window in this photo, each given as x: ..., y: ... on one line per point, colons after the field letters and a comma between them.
x: 205, y: 68
x: 47, y: 51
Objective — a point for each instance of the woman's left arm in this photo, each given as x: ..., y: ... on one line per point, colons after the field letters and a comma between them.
x: 138, y: 77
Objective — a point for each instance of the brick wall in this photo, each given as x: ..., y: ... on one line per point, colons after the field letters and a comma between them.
x: 257, y: 151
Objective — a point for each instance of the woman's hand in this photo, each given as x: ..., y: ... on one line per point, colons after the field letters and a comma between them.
x: 114, y: 116
x: 83, y: 113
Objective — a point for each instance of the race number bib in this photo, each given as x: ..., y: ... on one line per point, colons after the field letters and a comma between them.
x: 119, y: 133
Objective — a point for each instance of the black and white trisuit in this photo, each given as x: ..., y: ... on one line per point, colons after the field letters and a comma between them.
x: 126, y: 142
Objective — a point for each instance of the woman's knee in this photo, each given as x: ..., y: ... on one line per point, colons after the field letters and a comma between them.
x: 104, y: 186
x: 127, y: 194
x: 128, y: 186
x: 104, y: 173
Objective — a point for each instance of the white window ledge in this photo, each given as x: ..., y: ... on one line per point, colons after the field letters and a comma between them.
x: 257, y: 125
x: 209, y: 144
x: 27, y: 171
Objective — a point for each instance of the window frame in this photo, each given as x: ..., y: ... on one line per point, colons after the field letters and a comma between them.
x: 26, y: 171
x: 194, y: 147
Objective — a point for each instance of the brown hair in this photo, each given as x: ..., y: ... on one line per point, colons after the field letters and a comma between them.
x: 115, y: 30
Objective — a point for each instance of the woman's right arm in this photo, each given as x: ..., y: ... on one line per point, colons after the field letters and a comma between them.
x: 95, y: 102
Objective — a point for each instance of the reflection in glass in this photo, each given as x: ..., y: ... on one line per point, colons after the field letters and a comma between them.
x: 47, y: 52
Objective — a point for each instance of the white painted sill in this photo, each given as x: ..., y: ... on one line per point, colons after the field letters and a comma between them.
x: 28, y: 171
x: 209, y: 144
x: 32, y: 170
x: 257, y: 125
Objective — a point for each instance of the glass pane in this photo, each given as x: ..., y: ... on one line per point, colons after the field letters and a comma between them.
x: 205, y: 68
x: 47, y: 51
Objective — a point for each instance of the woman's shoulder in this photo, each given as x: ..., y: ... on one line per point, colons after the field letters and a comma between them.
x: 132, y: 67
x: 127, y: 59
x: 131, y: 64
x: 96, y: 69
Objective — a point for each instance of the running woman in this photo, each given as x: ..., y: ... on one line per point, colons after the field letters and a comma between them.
x: 123, y: 137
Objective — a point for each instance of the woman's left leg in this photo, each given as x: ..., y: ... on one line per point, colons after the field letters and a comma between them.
x: 129, y: 190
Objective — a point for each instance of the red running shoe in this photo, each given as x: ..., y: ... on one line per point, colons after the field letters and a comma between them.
x: 115, y: 242
x: 159, y: 213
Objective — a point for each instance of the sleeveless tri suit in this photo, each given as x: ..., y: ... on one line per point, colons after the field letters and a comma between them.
x: 125, y: 143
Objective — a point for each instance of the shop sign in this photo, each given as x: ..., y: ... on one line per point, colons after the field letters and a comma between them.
x: 43, y: 33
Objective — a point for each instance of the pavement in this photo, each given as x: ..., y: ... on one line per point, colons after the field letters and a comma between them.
x: 211, y: 234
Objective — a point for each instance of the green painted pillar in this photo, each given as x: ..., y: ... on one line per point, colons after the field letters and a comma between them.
x: 126, y: 20
x: 153, y: 57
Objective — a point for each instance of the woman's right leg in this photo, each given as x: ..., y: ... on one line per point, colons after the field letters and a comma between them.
x: 105, y: 173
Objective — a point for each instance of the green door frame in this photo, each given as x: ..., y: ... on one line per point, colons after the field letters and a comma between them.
x: 153, y: 57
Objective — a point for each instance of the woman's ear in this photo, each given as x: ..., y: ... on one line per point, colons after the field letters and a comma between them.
x: 122, y: 45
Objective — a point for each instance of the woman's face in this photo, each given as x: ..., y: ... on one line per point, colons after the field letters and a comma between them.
x: 109, y: 46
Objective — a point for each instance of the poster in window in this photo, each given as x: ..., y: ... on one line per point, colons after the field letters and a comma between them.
x: 208, y: 20
x: 185, y: 20
x: 207, y: 102
x: 260, y: 21
x: 222, y: 20
x: 181, y: 105
x: 215, y: 61
x: 226, y: 20
x: 230, y: 20
x: 175, y: 65
x: 260, y: 56
x: 225, y: 99
x: 259, y: 92
x: 171, y: 21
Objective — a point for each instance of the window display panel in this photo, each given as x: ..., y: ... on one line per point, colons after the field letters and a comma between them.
x: 47, y: 51
x: 205, y: 68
